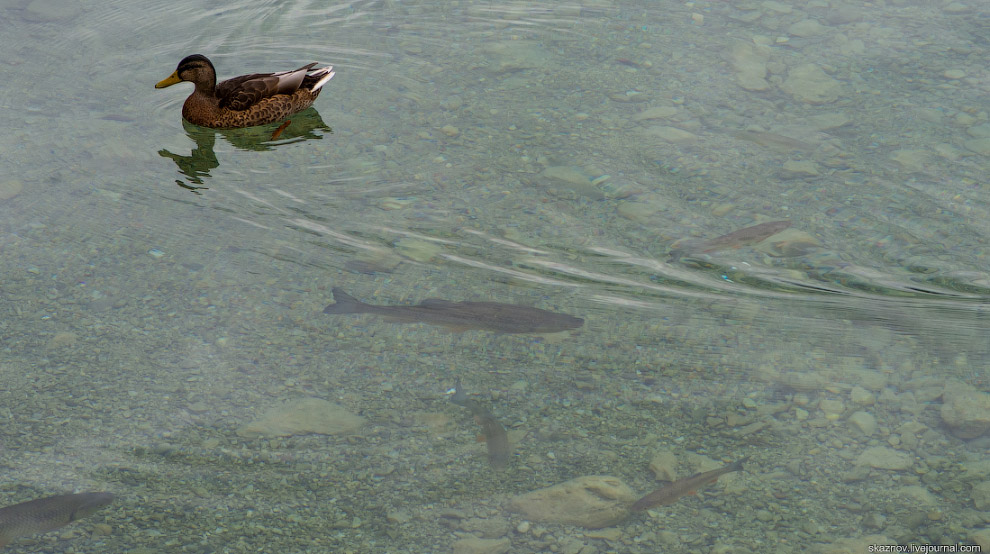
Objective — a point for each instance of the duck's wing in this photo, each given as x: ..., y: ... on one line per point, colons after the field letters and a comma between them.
x: 240, y: 93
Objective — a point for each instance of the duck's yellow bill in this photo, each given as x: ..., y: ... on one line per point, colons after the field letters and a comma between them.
x: 170, y: 80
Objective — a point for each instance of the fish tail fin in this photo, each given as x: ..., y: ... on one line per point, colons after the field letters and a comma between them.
x: 344, y: 303
x: 738, y: 464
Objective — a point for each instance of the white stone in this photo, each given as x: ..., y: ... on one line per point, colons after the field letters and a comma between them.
x: 881, y: 457
x: 477, y: 545
x: 808, y: 83
x: 671, y: 134
x: 965, y: 410
x: 663, y: 464
x: 302, y: 417
x: 865, y: 422
x: 591, y: 501
x: 807, y: 28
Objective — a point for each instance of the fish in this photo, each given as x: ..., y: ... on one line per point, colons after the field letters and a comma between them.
x: 668, y: 494
x: 742, y: 237
x: 462, y: 316
x: 496, y: 439
x: 46, y: 514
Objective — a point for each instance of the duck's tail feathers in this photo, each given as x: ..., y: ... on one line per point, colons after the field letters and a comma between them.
x: 324, y: 74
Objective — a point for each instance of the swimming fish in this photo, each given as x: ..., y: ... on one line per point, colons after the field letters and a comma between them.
x: 496, y: 439
x: 668, y: 494
x: 45, y: 514
x: 462, y: 316
x: 742, y: 237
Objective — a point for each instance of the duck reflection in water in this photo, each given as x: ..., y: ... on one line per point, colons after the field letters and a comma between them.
x: 305, y: 125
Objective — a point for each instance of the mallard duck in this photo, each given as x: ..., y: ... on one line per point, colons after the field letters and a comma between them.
x: 247, y: 100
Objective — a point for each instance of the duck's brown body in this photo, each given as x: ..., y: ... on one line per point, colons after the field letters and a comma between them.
x: 248, y: 100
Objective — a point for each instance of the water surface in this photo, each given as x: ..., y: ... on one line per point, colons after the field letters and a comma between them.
x: 163, y: 284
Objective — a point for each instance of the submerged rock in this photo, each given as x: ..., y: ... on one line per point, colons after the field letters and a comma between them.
x: 881, y: 457
x: 808, y: 83
x: 513, y: 55
x: 10, y: 188
x: 663, y: 464
x: 302, y: 417
x: 475, y: 545
x: 750, y: 64
x: 981, y: 495
x: 965, y: 410
x: 591, y: 501
x: 571, y: 178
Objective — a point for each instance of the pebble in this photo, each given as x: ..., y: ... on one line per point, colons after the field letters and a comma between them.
x: 982, y: 539
x: 918, y: 496
x: 954, y: 74
x: 807, y: 28
x: 979, y: 131
x: 809, y: 83
x: 523, y: 527
x: 637, y: 210
x: 572, y: 179
x: 628, y: 96
x: 102, y: 529
x: 776, y: 7
x: 393, y: 203
x: 658, y: 112
x: 956, y: 7
x: 981, y: 495
x: 980, y: 146
x: 513, y: 55
x: 590, y: 501
x: 831, y: 406
x: 450, y: 130
x: 301, y: 417
x: 881, y: 457
x: 861, y: 397
x: 794, y: 169
x: 827, y: 121
x: 476, y: 545
x: 750, y: 64
x: 10, y: 189
x: 670, y: 134
x: 663, y: 464
x: 965, y: 410
x: 911, y: 159
x: 865, y: 422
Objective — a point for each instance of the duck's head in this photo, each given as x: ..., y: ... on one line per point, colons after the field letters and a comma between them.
x: 196, y: 69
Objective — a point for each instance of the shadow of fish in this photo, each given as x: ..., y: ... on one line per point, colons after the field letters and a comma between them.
x: 668, y: 494
x: 496, y: 439
x: 462, y: 316
x: 742, y: 237
x: 46, y: 514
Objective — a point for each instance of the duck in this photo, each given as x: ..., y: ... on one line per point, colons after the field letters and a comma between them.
x: 248, y: 100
